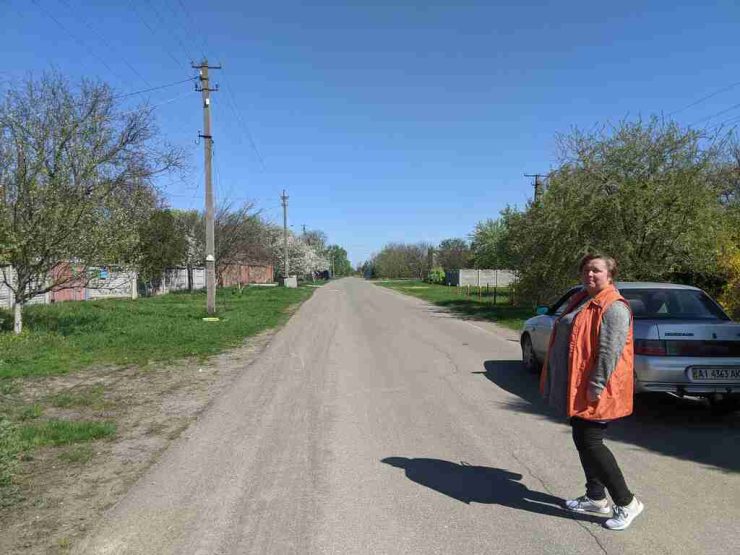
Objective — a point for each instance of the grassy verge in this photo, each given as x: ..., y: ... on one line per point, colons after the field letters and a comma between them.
x: 459, y: 303
x: 70, y: 337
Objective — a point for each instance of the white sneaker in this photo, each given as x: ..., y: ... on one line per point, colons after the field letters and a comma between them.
x: 623, y: 516
x: 585, y: 504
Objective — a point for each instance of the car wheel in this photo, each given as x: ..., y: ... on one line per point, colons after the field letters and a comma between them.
x: 529, y: 358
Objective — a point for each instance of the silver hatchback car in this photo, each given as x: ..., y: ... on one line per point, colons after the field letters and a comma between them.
x: 685, y: 344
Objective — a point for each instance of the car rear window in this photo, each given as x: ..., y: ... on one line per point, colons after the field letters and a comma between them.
x: 672, y: 304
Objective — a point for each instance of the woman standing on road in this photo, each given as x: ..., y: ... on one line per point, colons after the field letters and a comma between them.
x: 587, y: 376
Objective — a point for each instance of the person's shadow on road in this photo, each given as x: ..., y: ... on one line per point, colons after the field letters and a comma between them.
x: 481, y: 484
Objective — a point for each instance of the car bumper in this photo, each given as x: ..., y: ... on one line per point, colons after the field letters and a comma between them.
x: 673, y: 375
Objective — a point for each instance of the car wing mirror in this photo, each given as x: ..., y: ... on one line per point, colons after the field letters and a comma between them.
x: 542, y: 310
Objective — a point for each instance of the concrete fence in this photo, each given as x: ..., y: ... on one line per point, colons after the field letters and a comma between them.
x: 480, y: 278
x: 110, y: 284
x: 107, y: 284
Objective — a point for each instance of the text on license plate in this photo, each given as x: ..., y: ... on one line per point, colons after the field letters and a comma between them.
x: 730, y: 373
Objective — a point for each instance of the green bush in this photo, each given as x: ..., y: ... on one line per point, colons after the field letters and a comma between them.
x: 436, y: 275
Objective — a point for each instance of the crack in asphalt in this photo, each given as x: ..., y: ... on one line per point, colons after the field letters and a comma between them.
x: 547, y: 489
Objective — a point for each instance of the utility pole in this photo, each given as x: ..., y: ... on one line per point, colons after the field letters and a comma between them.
x: 205, y: 89
x: 538, y: 185
x: 284, y: 198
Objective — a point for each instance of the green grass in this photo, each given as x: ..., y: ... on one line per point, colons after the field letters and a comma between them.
x: 91, y: 397
x: 75, y: 335
x: 77, y: 454
x: 456, y: 301
x: 9, y: 449
x: 63, y: 432
x: 31, y: 412
x: 20, y: 438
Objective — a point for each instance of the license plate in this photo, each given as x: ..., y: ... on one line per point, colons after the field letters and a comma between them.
x: 726, y: 374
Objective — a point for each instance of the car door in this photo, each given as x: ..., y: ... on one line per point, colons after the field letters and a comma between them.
x: 543, y: 326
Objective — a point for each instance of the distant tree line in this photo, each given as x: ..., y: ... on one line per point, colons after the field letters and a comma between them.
x: 663, y: 199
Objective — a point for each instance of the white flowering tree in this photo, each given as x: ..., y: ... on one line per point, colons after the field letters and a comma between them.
x: 304, y: 260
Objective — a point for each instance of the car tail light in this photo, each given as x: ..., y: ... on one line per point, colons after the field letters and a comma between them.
x: 650, y: 347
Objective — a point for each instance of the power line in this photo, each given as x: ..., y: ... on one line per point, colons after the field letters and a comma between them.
x: 81, y: 42
x: 732, y: 120
x: 712, y: 116
x: 106, y: 42
x: 155, y: 88
x: 243, y: 125
x: 704, y: 98
x: 193, y: 25
x: 155, y: 33
x: 163, y: 23
x: 151, y: 107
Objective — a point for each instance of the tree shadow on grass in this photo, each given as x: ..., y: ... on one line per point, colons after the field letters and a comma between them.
x: 481, y: 484
x: 63, y: 323
x: 679, y: 428
x: 484, y: 310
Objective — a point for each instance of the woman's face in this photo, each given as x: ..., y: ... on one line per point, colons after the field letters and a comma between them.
x: 595, y: 276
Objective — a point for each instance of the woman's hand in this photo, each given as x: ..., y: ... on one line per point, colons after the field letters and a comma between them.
x: 592, y: 396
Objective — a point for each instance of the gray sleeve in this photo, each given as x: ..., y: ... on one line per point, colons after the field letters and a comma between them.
x: 612, y: 339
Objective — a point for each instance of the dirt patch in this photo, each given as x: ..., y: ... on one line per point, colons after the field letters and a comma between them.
x: 61, y: 491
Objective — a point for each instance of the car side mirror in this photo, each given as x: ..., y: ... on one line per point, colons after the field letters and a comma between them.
x: 542, y: 310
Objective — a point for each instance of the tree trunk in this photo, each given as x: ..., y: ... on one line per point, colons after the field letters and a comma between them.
x: 190, y: 278
x: 18, y: 322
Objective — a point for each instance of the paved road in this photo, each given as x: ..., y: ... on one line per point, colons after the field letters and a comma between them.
x: 376, y: 424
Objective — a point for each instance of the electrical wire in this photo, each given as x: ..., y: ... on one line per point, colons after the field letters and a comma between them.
x: 154, y: 33
x: 244, y: 127
x: 164, y: 25
x: 79, y: 41
x: 105, y: 41
x: 152, y: 106
x: 704, y: 98
x: 191, y: 23
x: 126, y: 95
x: 712, y: 116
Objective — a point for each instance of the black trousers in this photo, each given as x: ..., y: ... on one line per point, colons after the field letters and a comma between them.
x: 599, y: 465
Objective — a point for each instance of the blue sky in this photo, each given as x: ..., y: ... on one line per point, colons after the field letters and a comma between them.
x: 386, y: 121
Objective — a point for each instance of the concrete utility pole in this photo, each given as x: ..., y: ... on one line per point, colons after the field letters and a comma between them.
x: 205, y: 89
x: 284, y: 198
x: 538, y: 185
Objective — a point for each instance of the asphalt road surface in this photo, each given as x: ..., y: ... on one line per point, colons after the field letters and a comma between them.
x: 375, y: 423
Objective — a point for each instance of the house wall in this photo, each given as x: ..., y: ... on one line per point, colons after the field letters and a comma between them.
x: 243, y: 274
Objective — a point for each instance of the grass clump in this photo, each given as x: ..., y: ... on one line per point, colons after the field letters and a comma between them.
x: 9, y: 449
x: 78, y: 454
x: 90, y: 397
x: 31, y: 412
x: 456, y: 301
x: 63, y: 432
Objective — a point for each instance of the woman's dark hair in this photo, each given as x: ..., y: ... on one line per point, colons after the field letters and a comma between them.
x: 611, y: 264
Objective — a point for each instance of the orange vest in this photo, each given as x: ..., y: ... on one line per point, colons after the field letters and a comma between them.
x: 616, y: 398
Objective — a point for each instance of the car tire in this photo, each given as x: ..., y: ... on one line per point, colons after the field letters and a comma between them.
x: 529, y: 358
